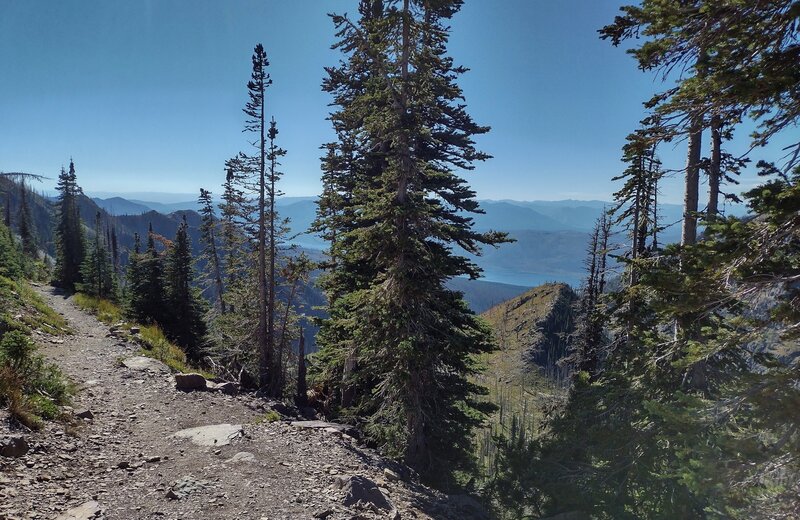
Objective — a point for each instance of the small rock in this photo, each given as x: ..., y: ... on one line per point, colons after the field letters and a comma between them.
x: 189, y: 382
x: 324, y: 513
x: 13, y: 446
x: 242, y: 456
x: 390, y: 475
x: 185, y: 486
x: 123, y: 464
x: 358, y: 488
x: 228, y: 388
x: 135, y: 330
x: 85, y: 414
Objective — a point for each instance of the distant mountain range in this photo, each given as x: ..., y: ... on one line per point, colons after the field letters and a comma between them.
x: 550, y: 236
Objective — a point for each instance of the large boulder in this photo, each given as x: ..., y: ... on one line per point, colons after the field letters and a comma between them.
x: 190, y: 382
x: 361, y: 489
x: 13, y: 446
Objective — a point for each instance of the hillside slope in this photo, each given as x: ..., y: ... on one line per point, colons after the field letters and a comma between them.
x: 532, y: 332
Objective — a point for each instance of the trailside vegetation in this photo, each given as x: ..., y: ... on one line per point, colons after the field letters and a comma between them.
x: 684, y: 408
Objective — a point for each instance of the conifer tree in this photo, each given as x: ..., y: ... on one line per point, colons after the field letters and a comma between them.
x: 408, y: 208
x: 114, y: 250
x: 24, y: 224
x: 257, y: 123
x: 232, y: 240
x: 208, y: 236
x: 183, y: 312
x: 135, y: 280
x: 70, y: 242
x: 10, y: 261
x: 635, y: 202
x: 97, y: 271
x: 147, y: 301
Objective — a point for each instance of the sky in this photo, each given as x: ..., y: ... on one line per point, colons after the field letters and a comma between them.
x: 147, y: 96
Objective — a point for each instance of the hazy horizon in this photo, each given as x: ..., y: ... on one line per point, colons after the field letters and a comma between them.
x: 152, y: 95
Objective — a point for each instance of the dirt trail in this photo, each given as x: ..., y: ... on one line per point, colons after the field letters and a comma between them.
x: 127, y: 460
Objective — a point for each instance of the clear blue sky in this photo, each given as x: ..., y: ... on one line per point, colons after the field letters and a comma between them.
x: 147, y: 95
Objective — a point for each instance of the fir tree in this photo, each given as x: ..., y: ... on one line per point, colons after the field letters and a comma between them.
x: 183, y: 311
x: 414, y: 336
x: 24, y: 224
x: 145, y: 279
x: 208, y: 236
x: 70, y: 242
x: 10, y: 261
x: 97, y: 271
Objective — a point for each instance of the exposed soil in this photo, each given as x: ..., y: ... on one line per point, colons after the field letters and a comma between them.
x: 127, y: 459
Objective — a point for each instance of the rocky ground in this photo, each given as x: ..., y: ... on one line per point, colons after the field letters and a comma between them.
x: 122, y: 459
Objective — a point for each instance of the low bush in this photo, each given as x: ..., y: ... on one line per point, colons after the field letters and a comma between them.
x: 30, y: 387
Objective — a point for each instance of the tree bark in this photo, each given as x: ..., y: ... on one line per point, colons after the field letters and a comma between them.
x: 715, y: 169
x: 692, y: 182
x: 277, y: 369
x: 301, y: 399
x: 265, y: 360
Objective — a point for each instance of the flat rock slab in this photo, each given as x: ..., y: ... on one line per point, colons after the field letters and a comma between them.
x: 328, y: 427
x: 322, y: 425
x: 242, y: 456
x: 213, y: 435
x: 145, y: 364
x: 85, y: 511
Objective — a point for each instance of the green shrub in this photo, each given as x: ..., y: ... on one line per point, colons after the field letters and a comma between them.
x: 16, y: 350
x: 30, y: 387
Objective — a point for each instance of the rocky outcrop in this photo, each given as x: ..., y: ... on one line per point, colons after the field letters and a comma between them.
x: 536, y: 324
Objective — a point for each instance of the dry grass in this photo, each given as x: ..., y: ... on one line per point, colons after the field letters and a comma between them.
x: 155, y: 343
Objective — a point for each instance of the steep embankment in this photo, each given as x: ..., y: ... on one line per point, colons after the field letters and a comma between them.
x: 532, y: 332
x: 123, y: 460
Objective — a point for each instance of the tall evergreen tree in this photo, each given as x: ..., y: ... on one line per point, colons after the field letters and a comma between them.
x: 208, y: 236
x: 183, y: 312
x: 146, y: 282
x: 70, y: 242
x: 10, y: 261
x: 415, y: 337
x: 24, y: 223
x: 257, y: 123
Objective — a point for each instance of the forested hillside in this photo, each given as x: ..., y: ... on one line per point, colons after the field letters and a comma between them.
x: 525, y: 375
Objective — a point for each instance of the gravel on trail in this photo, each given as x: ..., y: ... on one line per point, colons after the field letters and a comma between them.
x: 124, y: 461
